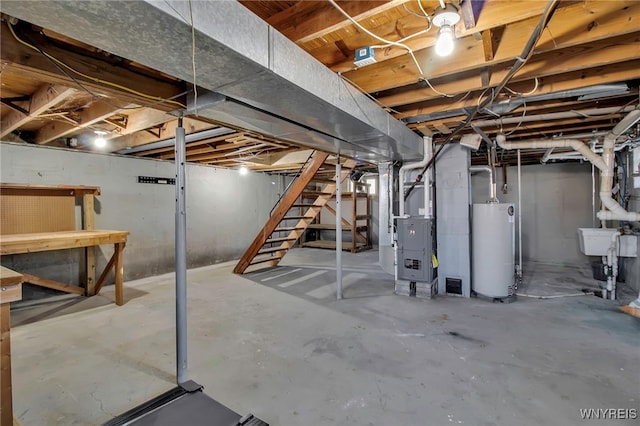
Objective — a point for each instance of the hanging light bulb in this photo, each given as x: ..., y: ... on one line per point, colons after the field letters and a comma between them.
x: 445, y: 44
x: 445, y: 18
x: 100, y: 141
x: 244, y: 170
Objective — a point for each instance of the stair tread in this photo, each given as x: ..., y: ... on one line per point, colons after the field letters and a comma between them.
x: 287, y: 228
x: 330, y: 226
x: 257, y: 260
x: 296, y: 217
x: 304, y: 205
x: 331, y: 244
x: 272, y: 250
x: 279, y: 240
x: 321, y: 180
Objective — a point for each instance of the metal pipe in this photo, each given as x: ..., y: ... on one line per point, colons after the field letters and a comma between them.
x: 428, y: 146
x: 165, y: 143
x: 552, y: 116
x: 339, y: 230
x: 492, y: 187
x: 181, y: 256
x: 519, y: 215
x: 410, y: 166
x: 593, y: 196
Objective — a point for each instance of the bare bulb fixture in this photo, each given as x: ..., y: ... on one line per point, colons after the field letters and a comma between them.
x: 244, y: 170
x: 445, y: 43
x: 100, y: 141
x: 446, y: 18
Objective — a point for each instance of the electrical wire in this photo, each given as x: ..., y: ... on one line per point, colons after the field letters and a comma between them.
x: 393, y: 43
x: 389, y: 43
x: 60, y: 64
x: 531, y: 92
x: 524, y: 113
x: 520, y: 61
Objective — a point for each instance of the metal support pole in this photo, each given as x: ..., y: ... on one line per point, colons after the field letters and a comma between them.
x: 519, y: 215
x: 339, y: 230
x: 181, y: 257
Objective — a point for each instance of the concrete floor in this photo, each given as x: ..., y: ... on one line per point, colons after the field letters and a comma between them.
x: 279, y: 345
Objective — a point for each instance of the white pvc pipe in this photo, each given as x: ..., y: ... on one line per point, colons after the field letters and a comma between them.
x: 612, y: 263
x: 615, y: 210
x: 492, y: 187
x: 611, y: 209
x: 555, y: 143
x: 519, y: 215
x: 412, y: 166
x: 427, y: 181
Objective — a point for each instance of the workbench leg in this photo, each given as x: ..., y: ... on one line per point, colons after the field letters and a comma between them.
x: 90, y: 252
x: 6, y: 404
x: 119, y: 273
x: 90, y: 279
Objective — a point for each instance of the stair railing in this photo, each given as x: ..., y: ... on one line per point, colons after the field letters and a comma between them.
x: 291, y: 182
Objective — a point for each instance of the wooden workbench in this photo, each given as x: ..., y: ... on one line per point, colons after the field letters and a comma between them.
x: 36, y: 218
x: 10, y: 291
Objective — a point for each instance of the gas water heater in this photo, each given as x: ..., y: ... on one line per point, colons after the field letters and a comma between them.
x: 493, y: 245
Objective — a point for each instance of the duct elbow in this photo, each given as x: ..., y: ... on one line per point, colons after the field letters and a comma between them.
x: 501, y: 139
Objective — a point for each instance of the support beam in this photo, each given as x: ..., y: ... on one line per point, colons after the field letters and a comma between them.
x: 338, y: 180
x: 46, y: 97
x: 168, y: 132
x: 95, y: 113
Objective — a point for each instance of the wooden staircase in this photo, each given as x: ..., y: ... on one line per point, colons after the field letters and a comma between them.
x: 278, y: 235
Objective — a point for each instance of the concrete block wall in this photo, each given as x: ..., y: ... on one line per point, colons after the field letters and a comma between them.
x: 453, y: 229
x: 225, y: 210
x: 556, y: 201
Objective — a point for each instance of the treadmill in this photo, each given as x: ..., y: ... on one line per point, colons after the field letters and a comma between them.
x: 185, y: 404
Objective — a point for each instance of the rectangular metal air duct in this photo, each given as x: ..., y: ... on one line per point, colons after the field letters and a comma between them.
x: 264, y: 77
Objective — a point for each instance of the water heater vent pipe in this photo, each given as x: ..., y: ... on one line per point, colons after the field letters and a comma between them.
x: 428, y: 153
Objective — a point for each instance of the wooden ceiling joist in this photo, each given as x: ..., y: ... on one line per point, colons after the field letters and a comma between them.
x: 46, y: 97
x: 570, y: 32
x: 88, y: 116
x: 35, y: 64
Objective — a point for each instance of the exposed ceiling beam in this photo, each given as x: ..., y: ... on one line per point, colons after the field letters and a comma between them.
x: 571, y: 26
x: 301, y: 23
x: 143, y: 118
x: 46, y: 97
x: 34, y: 64
x: 95, y: 113
x: 167, y: 131
x: 494, y: 13
x: 598, y: 54
x: 560, y: 82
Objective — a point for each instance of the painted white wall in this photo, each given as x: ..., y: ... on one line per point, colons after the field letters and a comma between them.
x: 225, y: 210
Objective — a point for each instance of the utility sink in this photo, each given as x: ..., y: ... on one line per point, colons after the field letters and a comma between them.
x: 596, y: 242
